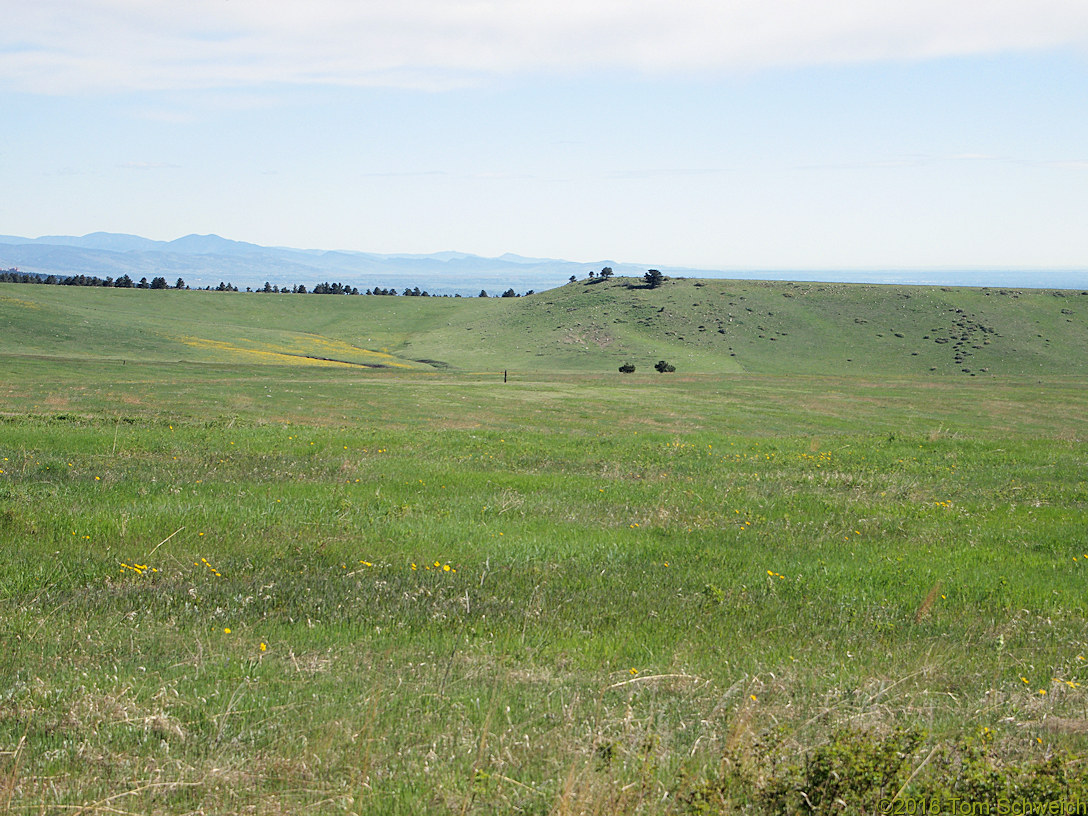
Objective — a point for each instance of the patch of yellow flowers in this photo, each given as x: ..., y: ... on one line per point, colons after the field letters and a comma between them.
x: 139, y: 569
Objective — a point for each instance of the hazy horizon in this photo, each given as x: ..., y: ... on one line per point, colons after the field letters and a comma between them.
x: 476, y: 271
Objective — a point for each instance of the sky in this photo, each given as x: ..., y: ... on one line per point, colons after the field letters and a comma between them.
x: 716, y: 134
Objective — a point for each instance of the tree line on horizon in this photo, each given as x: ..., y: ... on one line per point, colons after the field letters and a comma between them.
x: 653, y: 278
x: 13, y: 275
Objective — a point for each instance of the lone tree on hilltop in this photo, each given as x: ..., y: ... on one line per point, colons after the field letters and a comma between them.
x: 664, y: 367
x: 653, y: 278
x: 606, y: 273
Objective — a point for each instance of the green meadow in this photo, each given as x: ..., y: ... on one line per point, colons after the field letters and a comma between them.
x: 312, y: 554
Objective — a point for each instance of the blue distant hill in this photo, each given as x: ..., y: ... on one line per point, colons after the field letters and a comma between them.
x: 205, y: 260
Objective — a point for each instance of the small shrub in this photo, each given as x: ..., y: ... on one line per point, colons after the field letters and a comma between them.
x: 663, y: 366
x: 856, y: 768
x: 627, y: 368
x: 859, y: 772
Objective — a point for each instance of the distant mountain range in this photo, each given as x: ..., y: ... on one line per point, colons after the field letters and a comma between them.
x: 206, y: 260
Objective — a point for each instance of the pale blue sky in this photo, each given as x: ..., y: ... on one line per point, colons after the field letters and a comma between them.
x: 707, y: 134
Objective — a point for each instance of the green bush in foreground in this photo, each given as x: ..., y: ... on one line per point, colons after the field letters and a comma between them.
x: 857, y: 771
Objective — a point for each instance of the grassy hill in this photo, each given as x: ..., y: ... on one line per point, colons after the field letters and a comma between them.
x: 818, y: 568
x: 776, y: 327
x: 712, y: 326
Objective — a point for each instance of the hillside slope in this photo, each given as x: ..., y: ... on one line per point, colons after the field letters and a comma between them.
x: 712, y: 326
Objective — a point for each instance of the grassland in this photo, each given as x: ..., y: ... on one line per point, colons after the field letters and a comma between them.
x: 713, y: 327
x: 224, y: 584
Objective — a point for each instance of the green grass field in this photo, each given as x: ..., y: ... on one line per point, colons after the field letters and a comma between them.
x: 711, y: 327
x: 240, y: 578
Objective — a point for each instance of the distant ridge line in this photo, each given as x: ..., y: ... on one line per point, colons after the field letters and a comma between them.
x: 206, y: 260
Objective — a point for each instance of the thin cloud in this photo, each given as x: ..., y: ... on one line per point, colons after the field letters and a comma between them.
x: 64, y: 46
x: 667, y: 172
x: 403, y: 174
x: 924, y: 160
x: 480, y: 176
x: 144, y: 165
x: 1067, y: 164
x: 170, y: 117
